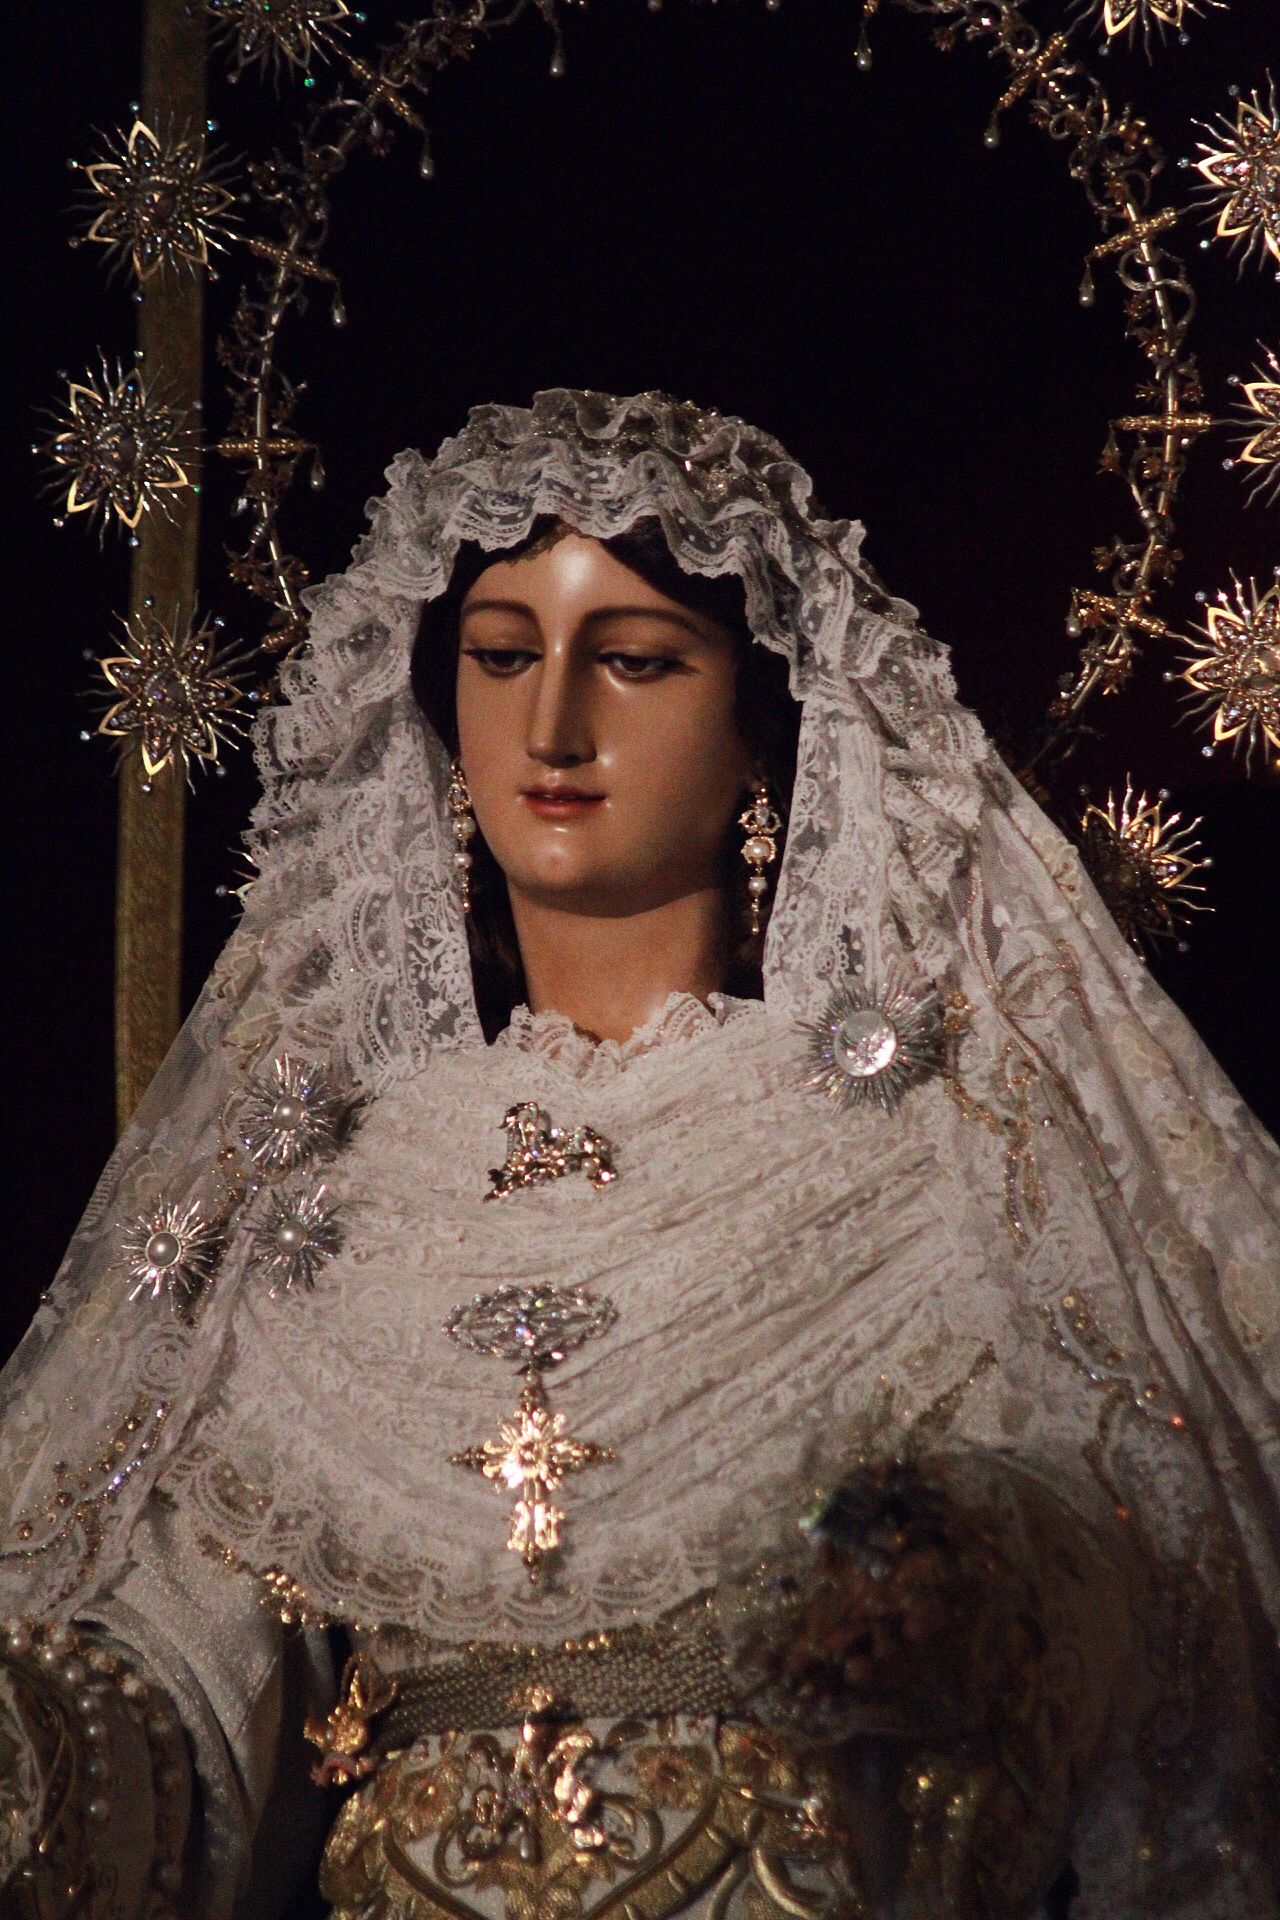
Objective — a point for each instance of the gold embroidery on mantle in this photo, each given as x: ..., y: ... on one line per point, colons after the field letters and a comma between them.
x: 1024, y: 1197
x: 343, y: 1735
x: 728, y: 1812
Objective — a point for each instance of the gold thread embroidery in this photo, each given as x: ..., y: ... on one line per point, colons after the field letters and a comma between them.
x: 439, y: 1831
x: 344, y: 1734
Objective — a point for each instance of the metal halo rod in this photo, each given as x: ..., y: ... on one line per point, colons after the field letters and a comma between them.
x: 152, y: 808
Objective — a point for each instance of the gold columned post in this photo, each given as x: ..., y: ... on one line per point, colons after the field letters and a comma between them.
x: 150, y: 837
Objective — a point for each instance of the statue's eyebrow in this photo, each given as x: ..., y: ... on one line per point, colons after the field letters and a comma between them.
x: 596, y: 613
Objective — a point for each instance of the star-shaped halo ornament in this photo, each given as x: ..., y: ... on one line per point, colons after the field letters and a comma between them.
x: 1261, y: 426
x: 1144, y: 864
x: 872, y: 1044
x: 295, y: 1237
x: 175, y: 697
x: 272, y: 35
x: 1242, y: 175
x: 173, y: 1250
x: 1130, y: 17
x: 158, y: 201
x: 1235, y: 669
x: 123, y: 448
x: 293, y: 1112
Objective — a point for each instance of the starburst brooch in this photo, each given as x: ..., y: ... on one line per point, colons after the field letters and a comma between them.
x: 123, y: 448
x: 1144, y: 864
x: 871, y: 1045
x: 1242, y: 175
x: 293, y: 1112
x: 1235, y: 670
x: 277, y: 34
x: 298, y: 1234
x: 171, y: 1250
x: 176, y: 698
x: 158, y: 202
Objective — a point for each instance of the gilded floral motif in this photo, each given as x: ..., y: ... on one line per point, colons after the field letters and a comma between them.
x: 562, y: 1823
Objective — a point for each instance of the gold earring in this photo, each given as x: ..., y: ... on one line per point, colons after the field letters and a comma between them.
x: 458, y: 800
x: 761, y: 824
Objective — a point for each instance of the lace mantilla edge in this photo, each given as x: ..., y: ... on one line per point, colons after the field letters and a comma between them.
x: 1152, y: 1198
x: 381, y: 966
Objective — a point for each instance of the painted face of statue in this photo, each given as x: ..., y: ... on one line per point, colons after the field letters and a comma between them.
x: 597, y: 731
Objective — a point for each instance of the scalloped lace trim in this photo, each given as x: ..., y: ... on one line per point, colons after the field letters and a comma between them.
x: 681, y: 1017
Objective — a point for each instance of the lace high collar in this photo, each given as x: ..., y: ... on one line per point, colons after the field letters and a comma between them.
x: 681, y: 1018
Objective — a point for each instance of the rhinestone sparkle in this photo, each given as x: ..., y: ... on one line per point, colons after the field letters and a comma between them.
x: 530, y: 1326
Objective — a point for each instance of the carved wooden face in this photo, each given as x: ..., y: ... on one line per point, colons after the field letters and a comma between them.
x: 597, y: 731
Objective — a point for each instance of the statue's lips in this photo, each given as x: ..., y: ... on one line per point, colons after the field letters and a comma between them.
x: 560, y: 803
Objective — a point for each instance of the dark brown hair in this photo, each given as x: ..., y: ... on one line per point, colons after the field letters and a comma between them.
x: 766, y: 715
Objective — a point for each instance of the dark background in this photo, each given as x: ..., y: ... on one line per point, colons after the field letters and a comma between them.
x: 711, y: 200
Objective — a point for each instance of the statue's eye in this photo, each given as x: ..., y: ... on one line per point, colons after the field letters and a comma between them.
x: 502, y: 662
x: 639, y: 666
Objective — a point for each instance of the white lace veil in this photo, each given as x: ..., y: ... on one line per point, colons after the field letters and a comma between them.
x: 909, y: 844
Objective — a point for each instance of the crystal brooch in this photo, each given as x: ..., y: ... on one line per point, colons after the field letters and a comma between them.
x: 295, y: 1237
x: 872, y: 1044
x: 292, y: 1114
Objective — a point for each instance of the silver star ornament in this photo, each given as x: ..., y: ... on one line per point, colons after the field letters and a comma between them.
x: 297, y: 1234
x: 292, y: 1113
x: 171, y: 1250
x: 872, y: 1044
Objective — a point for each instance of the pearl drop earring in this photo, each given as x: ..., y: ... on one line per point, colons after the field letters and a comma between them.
x: 458, y: 800
x: 762, y: 824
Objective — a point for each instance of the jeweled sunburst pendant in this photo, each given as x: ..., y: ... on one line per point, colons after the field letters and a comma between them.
x: 872, y: 1044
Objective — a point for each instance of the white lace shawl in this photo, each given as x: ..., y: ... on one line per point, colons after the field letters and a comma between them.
x: 1090, y: 1202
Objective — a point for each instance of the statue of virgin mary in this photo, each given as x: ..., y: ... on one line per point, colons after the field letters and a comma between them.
x: 684, y: 1331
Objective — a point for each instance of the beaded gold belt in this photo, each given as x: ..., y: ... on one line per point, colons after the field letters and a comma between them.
x: 675, y: 1666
